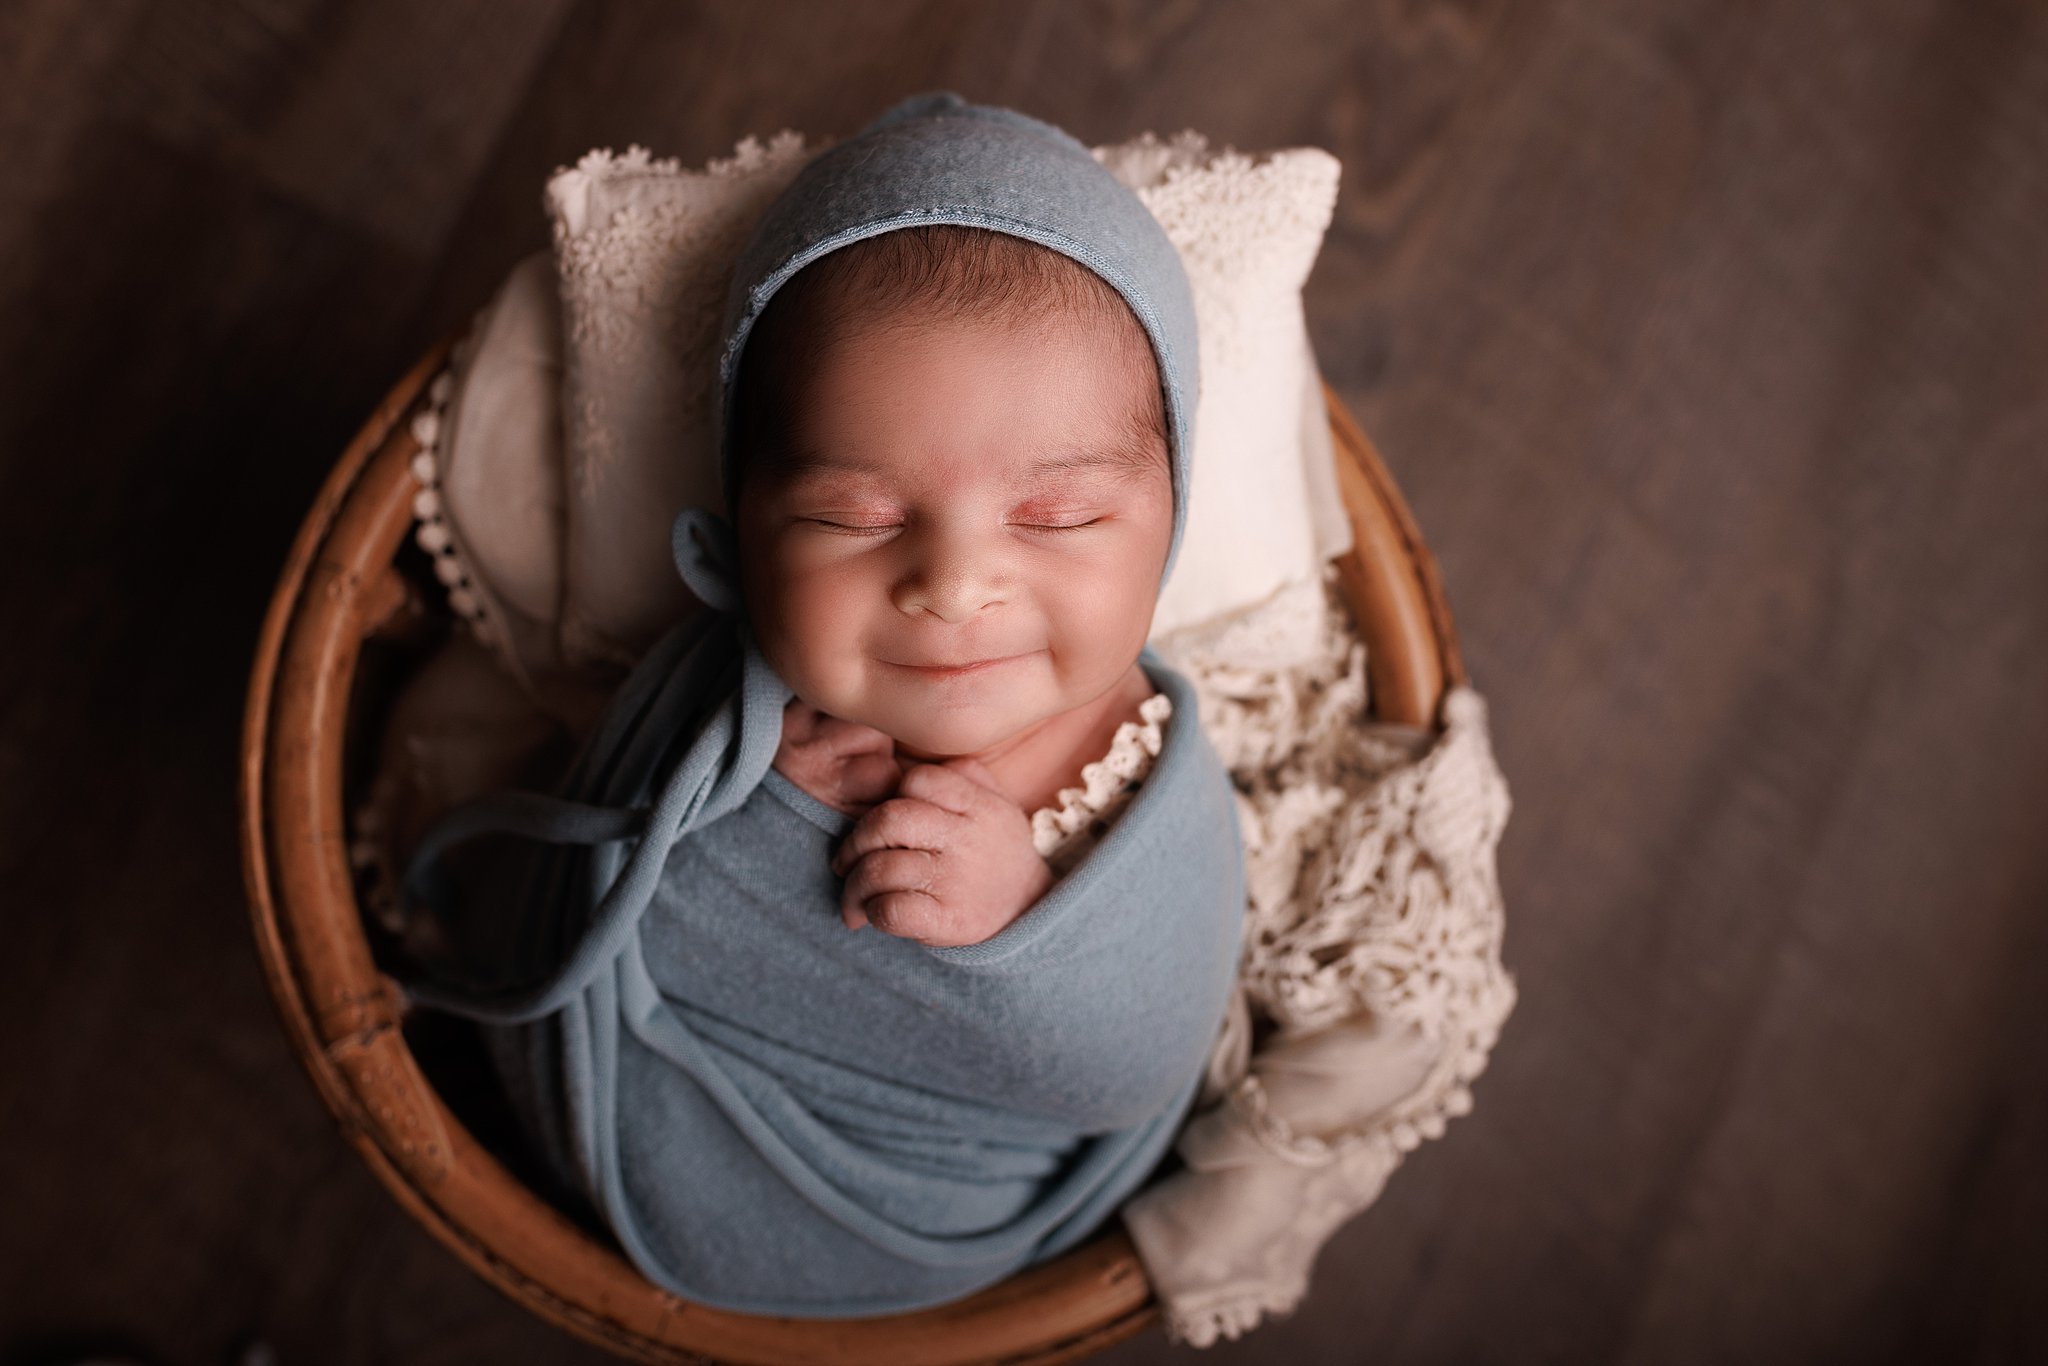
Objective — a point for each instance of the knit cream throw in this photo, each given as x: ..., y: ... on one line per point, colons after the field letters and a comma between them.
x: 1372, y: 950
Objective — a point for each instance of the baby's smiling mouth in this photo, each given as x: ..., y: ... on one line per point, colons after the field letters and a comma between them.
x: 958, y: 669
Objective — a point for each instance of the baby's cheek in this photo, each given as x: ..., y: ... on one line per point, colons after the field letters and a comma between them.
x: 1104, y: 627
x: 815, y: 626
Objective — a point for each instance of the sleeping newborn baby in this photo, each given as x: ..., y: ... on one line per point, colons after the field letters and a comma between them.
x: 826, y: 1024
x: 954, y: 501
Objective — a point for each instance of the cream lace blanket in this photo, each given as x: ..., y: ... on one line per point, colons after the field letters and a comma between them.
x: 1374, y: 943
x: 1372, y: 954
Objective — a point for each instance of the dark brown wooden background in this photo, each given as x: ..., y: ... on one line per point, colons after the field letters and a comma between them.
x: 1709, y: 340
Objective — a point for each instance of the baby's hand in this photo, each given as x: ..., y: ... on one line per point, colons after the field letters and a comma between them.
x: 844, y: 764
x: 947, y: 861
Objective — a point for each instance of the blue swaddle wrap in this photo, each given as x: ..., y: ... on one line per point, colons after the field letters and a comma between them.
x: 775, y: 1114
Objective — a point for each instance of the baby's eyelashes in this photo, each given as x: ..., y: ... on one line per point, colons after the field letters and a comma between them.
x: 853, y: 528
x: 1025, y: 519
x: 1060, y: 510
x: 1063, y: 526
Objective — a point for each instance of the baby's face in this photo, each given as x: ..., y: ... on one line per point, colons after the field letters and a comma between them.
x: 968, y: 533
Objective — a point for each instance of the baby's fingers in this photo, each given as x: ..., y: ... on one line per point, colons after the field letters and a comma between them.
x: 900, y: 823
x: 865, y: 779
x: 907, y: 915
x: 976, y: 771
x: 963, y: 786
x: 885, y: 885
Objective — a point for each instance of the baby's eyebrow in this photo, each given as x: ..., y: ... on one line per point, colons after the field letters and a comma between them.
x: 797, y: 463
x: 1125, y: 460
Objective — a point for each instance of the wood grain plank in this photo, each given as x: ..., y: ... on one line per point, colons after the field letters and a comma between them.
x: 1708, y: 342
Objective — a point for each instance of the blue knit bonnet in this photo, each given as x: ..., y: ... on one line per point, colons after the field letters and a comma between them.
x: 935, y: 159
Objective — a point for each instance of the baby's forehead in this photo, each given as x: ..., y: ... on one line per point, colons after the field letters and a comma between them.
x: 1069, y: 383
x: 917, y: 336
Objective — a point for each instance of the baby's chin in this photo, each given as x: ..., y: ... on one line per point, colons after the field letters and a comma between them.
x: 934, y: 729
x: 936, y: 738
x: 938, y: 720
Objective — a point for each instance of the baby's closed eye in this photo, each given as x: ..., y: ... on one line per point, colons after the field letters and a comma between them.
x: 1057, y: 515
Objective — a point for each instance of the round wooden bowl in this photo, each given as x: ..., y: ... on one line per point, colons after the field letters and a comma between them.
x: 342, y: 587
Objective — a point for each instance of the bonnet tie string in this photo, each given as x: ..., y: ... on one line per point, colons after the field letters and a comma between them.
x: 722, y: 763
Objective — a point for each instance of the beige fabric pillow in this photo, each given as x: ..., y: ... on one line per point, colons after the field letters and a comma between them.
x: 643, y: 249
x: 493, y: 518
x: 1263, y: 510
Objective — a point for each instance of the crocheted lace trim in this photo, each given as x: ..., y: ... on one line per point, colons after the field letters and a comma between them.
x: 432, y: 531
x: 1065, y: 831
x: 467, y: 599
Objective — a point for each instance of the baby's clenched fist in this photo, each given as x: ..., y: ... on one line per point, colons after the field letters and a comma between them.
x: 844, y: 764
x: 947, y: 861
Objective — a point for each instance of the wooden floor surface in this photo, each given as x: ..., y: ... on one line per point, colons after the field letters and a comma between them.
x: 1709, y: 341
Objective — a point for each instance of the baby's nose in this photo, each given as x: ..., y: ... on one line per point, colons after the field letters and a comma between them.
x: 949, y: 578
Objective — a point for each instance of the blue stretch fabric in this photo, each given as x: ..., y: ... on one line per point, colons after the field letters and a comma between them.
x: 775, y: 1114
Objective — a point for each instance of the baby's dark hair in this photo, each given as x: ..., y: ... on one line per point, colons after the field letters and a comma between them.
x: 911, y: 277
